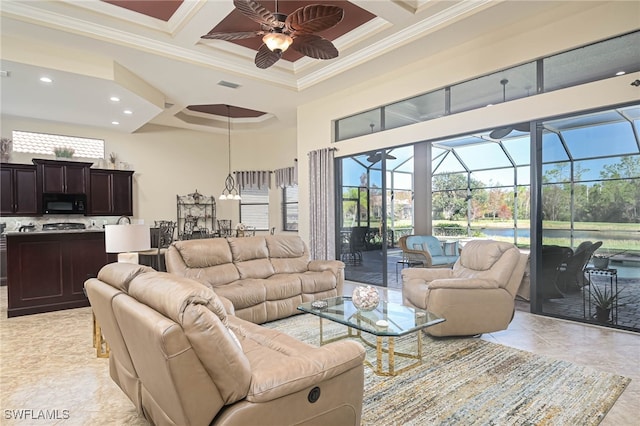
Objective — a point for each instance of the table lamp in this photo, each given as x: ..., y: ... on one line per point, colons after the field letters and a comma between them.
x: 126, y: 240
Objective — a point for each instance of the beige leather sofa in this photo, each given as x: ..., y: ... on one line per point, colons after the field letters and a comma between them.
x: 265, y: 277
x: 183, y: 359
x: 476, y: 296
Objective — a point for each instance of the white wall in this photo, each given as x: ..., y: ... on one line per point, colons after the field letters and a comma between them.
x: 169, y: 161
x: 558, y: 30
x: 263, y: 151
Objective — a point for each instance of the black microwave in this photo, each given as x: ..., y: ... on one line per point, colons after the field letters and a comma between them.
x: 64, y: 203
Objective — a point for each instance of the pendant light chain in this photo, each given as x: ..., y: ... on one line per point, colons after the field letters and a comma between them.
x: 230, y: 192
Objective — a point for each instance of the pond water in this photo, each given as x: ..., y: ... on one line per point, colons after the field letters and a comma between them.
x: 559, y: 233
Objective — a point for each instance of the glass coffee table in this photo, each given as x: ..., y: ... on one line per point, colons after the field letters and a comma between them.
x: 386, y: 322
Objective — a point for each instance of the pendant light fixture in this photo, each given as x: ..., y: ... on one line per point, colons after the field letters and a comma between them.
x: 230, y: 192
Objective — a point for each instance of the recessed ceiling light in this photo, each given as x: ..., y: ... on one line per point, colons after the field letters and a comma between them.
x: 46, y: 80
x: 489, y: 105
x: 114, y: 99
x: 620, y: 73
x: 115, y: 123
x: 128, y: 111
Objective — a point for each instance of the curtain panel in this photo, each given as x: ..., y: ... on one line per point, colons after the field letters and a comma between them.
x: 322, y: 239
x: 253, y: 179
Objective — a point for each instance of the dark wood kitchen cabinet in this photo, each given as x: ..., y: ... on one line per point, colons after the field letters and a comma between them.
x: 111, y: 192
x: 62, y: 177
x: 46, y: 271
x: 19, y: 191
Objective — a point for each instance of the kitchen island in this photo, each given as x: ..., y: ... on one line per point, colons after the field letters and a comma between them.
x: 46, y: 270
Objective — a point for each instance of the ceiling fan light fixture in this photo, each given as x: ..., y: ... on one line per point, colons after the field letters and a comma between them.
x: 277, y: 41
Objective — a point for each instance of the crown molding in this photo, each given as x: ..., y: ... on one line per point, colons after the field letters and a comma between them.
x: 391, y: 42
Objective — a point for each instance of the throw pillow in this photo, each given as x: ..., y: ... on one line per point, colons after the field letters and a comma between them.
x: 451, y: 248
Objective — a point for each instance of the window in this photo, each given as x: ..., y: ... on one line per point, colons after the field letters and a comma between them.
x: 43, y: 143
x: 578, y: 66
x: 254, y: 208
x: 290, y: 208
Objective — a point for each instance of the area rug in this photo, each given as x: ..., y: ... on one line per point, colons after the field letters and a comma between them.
x: 468, y: 381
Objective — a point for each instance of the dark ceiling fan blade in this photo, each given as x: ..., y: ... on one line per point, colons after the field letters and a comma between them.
x: 257, y: 12
x: 233, y: 36
x: 500, y: 132
x: 314, y: 46
x: 265, y: 57
x: 314, y: 18
x: 374, y: 158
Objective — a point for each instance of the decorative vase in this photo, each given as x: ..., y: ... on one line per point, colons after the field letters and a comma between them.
x: 365, y: 298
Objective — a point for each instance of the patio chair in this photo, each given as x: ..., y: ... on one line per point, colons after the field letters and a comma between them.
x: 571, y: 277
x: 554, y: 260
x: 353, y: 244
x: 428, y: 250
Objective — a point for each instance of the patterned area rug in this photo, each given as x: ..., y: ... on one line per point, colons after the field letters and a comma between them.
x: 470, y: 381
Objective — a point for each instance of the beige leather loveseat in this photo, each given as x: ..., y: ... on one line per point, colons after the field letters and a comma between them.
x: 265, y: 277
x: 183, y: 358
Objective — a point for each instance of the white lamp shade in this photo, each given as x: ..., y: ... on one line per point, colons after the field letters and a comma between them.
x: 126, y: 238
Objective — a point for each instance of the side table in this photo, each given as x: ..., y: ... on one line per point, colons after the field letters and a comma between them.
x: 613, y: 288
x: 406, y: 263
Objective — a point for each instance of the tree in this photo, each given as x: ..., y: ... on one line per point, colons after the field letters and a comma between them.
x: 556, y: 195
x: 449, y: 196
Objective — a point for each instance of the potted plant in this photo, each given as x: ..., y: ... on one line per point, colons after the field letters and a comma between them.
x: 604, y: 301
x: 63, y: 152
x: 601, y: 260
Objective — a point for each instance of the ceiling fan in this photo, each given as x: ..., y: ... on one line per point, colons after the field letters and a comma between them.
x: 502, y: 132
x: 377, y: 156
x: 279, y: 31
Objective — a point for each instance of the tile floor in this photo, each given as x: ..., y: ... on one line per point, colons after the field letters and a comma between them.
x: 48, y: 365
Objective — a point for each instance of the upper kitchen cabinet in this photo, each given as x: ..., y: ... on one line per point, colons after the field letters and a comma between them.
x: 19, y: 190
x: 62, y: 177
x: 111, y: 192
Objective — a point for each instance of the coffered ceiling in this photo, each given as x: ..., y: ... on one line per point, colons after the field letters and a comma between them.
x: 150, y: 55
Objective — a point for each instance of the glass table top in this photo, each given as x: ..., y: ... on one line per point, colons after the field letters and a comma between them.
x: 387, y: 319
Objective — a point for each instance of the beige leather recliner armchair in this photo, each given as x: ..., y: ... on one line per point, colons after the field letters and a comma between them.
x: 476, y: 296
x: 183, y: 358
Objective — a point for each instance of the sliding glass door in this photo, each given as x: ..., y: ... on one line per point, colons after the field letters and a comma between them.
x: 375, y: 209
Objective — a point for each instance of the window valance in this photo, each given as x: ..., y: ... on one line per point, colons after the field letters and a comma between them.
x: 287, y: 176
x: 253, y: 179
